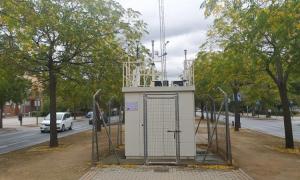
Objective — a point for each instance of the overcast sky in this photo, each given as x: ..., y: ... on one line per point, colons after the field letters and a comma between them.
x: 186, y: 28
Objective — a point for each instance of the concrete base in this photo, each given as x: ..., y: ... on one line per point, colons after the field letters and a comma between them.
x: 162, y: 158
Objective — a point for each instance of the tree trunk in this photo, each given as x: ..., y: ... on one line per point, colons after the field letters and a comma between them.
x: 281, y: 81
x: 74, y: 112
x: 289, y: 141
x: 237, y: 123
x: 52, y: 88
x: 202, y: 110
x: 212, y: 111
x: 1, y: 117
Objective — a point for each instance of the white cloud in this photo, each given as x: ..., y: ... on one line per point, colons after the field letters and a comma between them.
x: 186, y: 28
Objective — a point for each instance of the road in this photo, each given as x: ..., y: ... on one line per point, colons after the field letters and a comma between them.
x: 273, y: 126
x: 13, y: 139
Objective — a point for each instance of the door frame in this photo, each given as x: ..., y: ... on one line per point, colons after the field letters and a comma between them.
x: 177, y: 128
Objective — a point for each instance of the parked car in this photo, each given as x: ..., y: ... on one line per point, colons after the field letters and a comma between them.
x: 64, y: 121
x: 89, y: 114
x: 113, y: 119
x: 92, y: 117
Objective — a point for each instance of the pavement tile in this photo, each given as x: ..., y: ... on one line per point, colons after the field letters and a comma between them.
x: 174, y: 173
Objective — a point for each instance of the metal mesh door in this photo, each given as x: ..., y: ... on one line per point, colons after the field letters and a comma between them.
x: 161, y: 127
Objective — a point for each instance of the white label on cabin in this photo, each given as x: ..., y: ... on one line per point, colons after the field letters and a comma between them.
x: 131, y: 106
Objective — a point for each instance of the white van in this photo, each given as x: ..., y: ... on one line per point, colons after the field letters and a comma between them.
x: 63, y: 121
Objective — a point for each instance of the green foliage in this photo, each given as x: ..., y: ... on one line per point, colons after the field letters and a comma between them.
x: 13, y: 87
x: 59, y: 41
x: 85, y: 40
x: 68, y: 32
x: 262, y: 37
x: 233, y: 73
x: 267, y: 33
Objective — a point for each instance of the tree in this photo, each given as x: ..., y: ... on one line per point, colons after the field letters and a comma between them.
x: 205, y: 81
x: 55, y: 36
x: 270, y: 34
x: 12, y: 88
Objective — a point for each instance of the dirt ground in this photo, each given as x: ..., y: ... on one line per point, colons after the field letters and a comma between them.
x: 71, y: 160
x: 259, y: 155
x: 263, y: 157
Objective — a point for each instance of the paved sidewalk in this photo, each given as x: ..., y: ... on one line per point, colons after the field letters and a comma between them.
x: 13, y: 122
x: 263, y: 117
x: 167, y: 173
x: 273, y: 126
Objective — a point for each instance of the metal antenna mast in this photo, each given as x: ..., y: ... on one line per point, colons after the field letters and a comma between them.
x: 162, y: 39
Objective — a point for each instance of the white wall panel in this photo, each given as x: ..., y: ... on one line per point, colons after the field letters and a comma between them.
x: 134, y: 134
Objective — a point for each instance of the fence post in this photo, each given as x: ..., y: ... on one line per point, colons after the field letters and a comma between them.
x: 109, y: 121
x: 208, y: 122
x: 122, y: 119
x: 95, y: 155
x: 228, y: 143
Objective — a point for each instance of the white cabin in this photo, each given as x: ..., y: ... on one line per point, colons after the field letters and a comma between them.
x: 159, y: 117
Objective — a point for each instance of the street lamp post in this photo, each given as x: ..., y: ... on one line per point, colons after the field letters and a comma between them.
x: 37, y: 104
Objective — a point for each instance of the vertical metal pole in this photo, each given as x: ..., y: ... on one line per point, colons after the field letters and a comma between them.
x: 95, y: 157
x: 145, y: 130
x: 96, y: 121
x: 215, y: 121
x: 193, y: 74
x: 109, y: 128
x: 198, y: 127
x: 123, y: 117
x: 109, y: 138
x: 127, y: 75
x: 213, y: 132
x: 144, y: 77
x: 152, y: 50
x: 177, y: 130
x: 118, y: 128
x: 93, y: 137
x: 93, y: 134
x: 208, y: 123
x: 93, y: 145
x: 228, y: 142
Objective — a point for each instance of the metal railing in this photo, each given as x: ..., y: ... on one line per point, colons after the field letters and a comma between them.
x: 113, y: 139
x: 188, y: 73
x: 138, y: 74
x: 218, y: 132
x: 142, y: 74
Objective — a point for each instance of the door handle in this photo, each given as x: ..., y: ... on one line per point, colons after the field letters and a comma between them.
x: 176, y: 131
